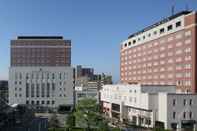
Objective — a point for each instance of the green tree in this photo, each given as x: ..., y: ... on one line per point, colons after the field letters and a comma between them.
x: 88, y: 116
x: 70, y: 122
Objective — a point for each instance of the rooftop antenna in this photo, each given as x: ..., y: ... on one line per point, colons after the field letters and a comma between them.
x: 172, y: 9
x: 186, y: 7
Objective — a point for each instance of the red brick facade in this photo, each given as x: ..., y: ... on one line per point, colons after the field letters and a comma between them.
x: 167, y: 60
x: 40, y: 52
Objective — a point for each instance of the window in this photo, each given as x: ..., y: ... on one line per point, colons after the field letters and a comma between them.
x: 37, y: 102
x: 129, y: 43
x: 32, y: 90
x: 53, y: 102
x: 184, y: 102
x: 27, y: 102
x: 32, y: 102
x: 178, y: 24
x: 48, y: 89
x: 134, y: 41
x: 42, y: 102
x: 161, y: 30
x: 155, y: 32
x: 190, y: 114
x: 184, y: 115
x: 125, y: 45
x: 174, y: 115
x: 169, y: 27
x: 190, y: 102
x: 174, y: 102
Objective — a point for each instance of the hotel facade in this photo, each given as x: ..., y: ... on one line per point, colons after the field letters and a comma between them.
x: 40, y: 73
x: 163, y: 53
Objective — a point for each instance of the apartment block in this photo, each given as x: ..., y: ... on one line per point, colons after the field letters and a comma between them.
x: 163, y: 53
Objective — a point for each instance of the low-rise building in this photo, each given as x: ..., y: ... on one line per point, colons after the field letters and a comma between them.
x: 149, y: 105
x: 90, y: 90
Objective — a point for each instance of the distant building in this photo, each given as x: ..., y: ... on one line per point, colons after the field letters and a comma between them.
x: 84, y: 75
x: 87, y: 91
x: 84, y: 72
x: 149, y: 105
x: 4, y: 91
x: 163, y: 53
x: 41, y: 72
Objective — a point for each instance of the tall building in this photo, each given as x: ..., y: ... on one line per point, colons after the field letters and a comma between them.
x: 163, y: 53
x: 40, y: 72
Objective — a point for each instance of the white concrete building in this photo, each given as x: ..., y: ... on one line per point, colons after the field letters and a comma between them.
x: 148, y: 105
x: 44, y: 86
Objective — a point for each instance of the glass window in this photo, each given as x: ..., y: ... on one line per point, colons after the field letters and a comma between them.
x: 162, y: 30
x: 174, y: 102
x: 169, y: 27
x: 184, y: 102
x: 174, y: 115
x: 178, y: 24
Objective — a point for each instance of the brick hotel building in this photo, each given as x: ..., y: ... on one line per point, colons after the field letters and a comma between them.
x: 41, y: 72
x: 163, y: 53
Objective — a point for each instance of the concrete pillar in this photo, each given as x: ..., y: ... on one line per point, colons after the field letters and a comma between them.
x: 194, y: 127
x: 121, y: 111
x: 110, y: 114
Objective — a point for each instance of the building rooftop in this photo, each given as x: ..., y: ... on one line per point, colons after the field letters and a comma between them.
x: 39, y: 37
x: 160, y: 22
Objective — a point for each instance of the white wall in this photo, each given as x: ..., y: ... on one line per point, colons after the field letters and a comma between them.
x: 63, y: 93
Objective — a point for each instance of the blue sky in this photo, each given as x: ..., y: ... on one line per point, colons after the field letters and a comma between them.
x: 96, y: 27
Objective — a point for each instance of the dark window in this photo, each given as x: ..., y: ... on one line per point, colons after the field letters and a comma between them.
x: 144, y: 37
x: 190, y: 114
x: 38, y: 90
x: 53, y: 86
x: 169, y: 27
x: 48, y: 102
x: 53, y: 76
x: 53, y: 102
x: 42, y: 89
x: 161, y: 30
x: 190, y: 102
x: 48, y: 89
x: 125, y: 44
x: 134, y: 41
x: 32, y: 90
x: 174, y: 115
x: 37, y: 102
x: 155, y: 32
x: 32, y: 102
x: 27, y: 102
x: 178, y: 24
x: 184, y: 102
x: 174, y: 102
x: 27, y: 90
x: 129, y: 43
x: 42, y: 102
x: 184, y: 115
x: 149, y: 34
